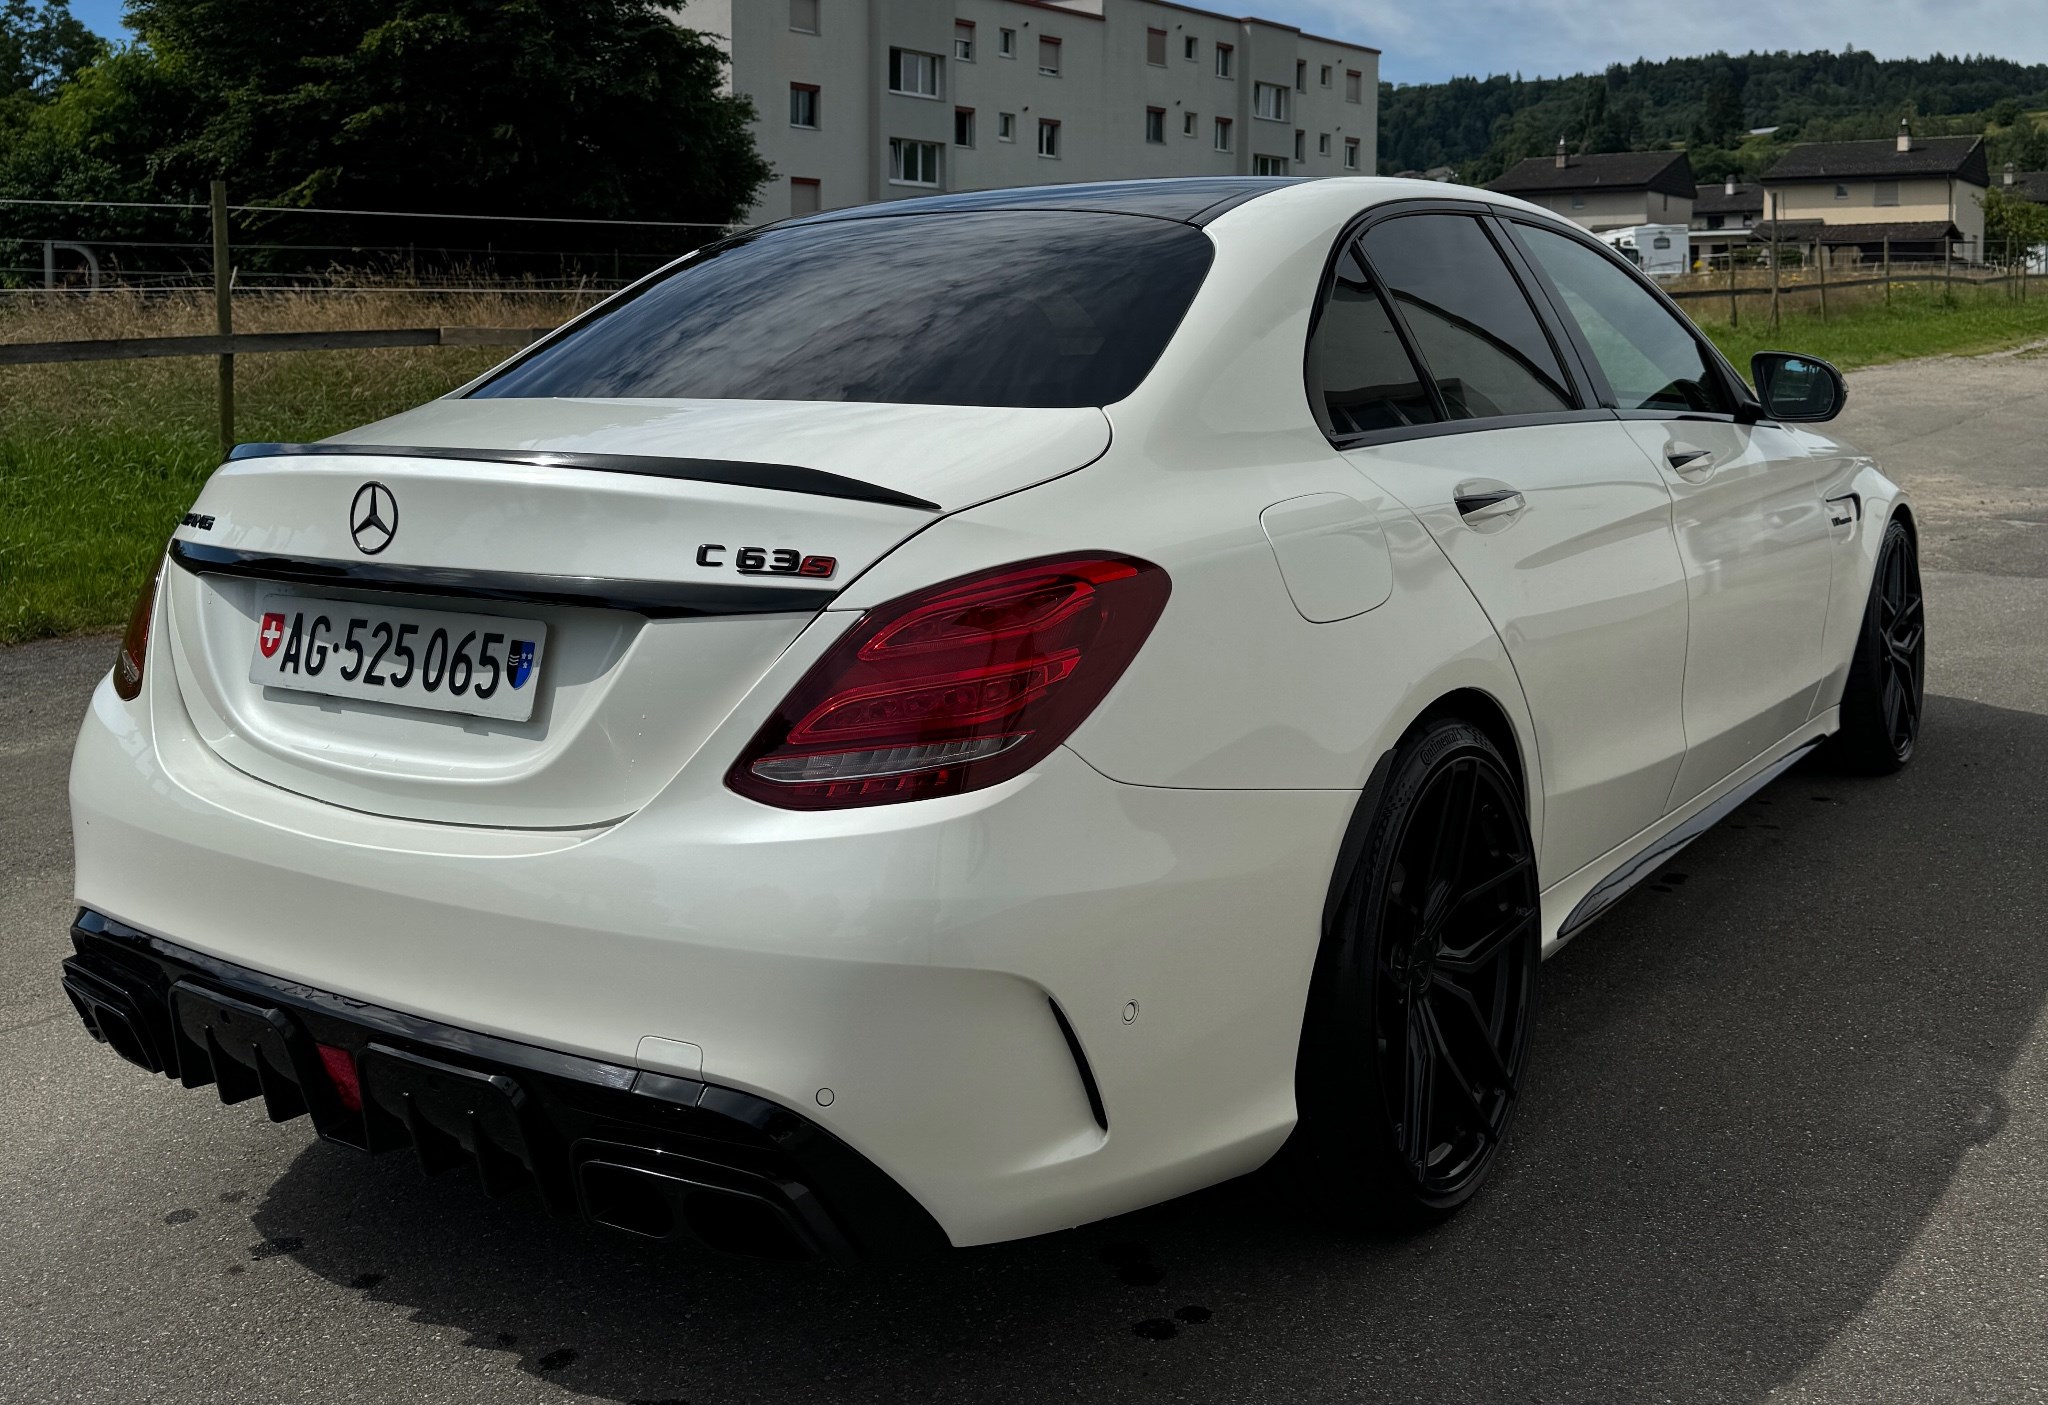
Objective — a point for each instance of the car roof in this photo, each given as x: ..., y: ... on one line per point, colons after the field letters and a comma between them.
x: 1189, y: 200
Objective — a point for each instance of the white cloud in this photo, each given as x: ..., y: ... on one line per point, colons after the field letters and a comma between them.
x: 1427, y: 43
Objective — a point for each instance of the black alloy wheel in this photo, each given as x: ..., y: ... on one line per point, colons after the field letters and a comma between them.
x: 1418, y: 1032
x: 1884, y: 694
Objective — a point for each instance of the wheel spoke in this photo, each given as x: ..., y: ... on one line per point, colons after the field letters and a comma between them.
x: 1471, y: 960
x: 1453, y: 829
x: 1420, y: 1091
x: 1480, y: 889
x: 1457, y: 1078
x: 1463, y: 1008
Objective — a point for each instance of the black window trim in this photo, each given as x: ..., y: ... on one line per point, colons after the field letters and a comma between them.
x: 1351, y: 239
x: 1748, y: 409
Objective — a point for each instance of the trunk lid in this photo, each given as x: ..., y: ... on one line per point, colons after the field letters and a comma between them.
x: 618, y: 525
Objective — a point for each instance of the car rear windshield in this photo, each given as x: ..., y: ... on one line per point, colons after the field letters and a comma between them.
x: 1026, y: 308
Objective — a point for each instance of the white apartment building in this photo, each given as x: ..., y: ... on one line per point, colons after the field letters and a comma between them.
x: 865, y: 100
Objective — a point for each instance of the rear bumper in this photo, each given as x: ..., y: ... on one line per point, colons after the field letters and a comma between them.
x: 936, y: 985
x: 650, y: 1154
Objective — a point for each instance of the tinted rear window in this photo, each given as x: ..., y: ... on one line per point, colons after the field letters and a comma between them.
x: 1027, y: 308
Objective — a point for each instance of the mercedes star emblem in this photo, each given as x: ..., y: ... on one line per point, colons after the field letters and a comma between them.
x: 373, y: 518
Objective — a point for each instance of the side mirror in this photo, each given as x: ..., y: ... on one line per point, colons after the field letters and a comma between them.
x: 1797, y: 388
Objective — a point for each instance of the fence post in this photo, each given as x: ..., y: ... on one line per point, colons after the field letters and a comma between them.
x: 223, y: 314
x: 1774, y: 275
x: 1887, y: 270
x: 1820, y: 252
x: 1948, y: 250
x: 1734, y: 311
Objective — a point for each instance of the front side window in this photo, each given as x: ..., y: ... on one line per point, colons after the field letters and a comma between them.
x: 913, y: 73
x: 803, y: 105
x: 1155, y: 125
x: 1155, y: 47
x: 1269, y: 100
x: 1049, y: 57
x: 1027, y: 308
x: 1474, y: 329
x: 913, y: 162
x: 1651, y: 361
x: 1223, y: 57
x: 1048, y: 138
x: 1356, y: 362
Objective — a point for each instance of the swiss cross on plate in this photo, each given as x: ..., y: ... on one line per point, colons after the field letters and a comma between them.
x: 271, y: 634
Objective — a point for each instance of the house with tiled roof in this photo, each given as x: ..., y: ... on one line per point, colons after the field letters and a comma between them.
x: 1918, y: 197
x: 2025, y: 185
x: 1723, y: 215
x: 1606, y: 190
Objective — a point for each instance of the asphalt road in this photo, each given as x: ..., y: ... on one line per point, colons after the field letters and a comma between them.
x: 1787, y: 1137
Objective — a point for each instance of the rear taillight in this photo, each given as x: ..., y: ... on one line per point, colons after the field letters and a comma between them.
x: 956, y: 687
x: 135, y: 642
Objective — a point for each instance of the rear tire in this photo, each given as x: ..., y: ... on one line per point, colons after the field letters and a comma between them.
x: 1418, y: 1019
x: 1881, y: 701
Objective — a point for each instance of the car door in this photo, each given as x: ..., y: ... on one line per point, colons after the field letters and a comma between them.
x: 1749, y: 508
x: 1442, y: 385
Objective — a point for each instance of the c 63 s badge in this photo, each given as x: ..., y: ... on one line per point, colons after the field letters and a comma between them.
x: 764, y: 561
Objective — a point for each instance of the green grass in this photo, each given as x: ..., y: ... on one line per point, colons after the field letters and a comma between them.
x: 1919, y: 321
x: 98, y: 462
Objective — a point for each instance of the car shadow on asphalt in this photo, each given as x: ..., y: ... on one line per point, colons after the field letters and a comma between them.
x: 1752, y: 1083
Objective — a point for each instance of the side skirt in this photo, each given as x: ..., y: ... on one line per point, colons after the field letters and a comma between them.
x: 1638, y: 866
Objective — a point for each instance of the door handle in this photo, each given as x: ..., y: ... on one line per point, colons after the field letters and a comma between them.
x: 1689, y: 462
x: 1492, y: 506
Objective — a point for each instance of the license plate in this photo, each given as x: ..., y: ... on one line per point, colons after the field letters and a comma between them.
x: 483, y: 665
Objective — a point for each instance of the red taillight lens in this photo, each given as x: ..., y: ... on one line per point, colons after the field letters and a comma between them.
x: 135, y: 642
x: 341, y: 1075
x: 956, y: 687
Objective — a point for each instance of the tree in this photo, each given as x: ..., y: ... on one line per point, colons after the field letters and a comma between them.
x: 41, y: 46
x: 2012, y: 226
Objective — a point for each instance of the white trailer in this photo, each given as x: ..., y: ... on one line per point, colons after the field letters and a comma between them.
x: 1660, y: 250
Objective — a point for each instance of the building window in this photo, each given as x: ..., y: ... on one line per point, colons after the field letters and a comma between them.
x: 1188, y: 47
x: 1223, y: 134
x: 913, y: 162
x: 1667, y: 204
x: 1187, y: 124
x: 963, y: 40
x: 1841, y: 192
x: 1048, y: 56
x: 1223, y: 53
x: 1269, y: 165
x: 1326, y: 75
x: 1006, y: 126
x: 913, y: 74
x: 1301, y: 75
x: 1006, y: 43
x: 1300, y: 146
x: 1578, y: 199
x: 803, y: 105
x: 963, y: 126
x: 1155, y: 47
x: 1351, y: 153
x: 1887, y: 193
x: 1716, y: 221
x: 1322, y: 143
x: 1155, y: 125
x: 1354, y: 85
x: 1048, y: 137
x: 803, y: 17
x: 1269, y: 100
x: 806, y: 197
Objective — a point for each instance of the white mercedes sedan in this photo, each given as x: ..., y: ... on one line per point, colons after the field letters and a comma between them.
x: 937, y: 722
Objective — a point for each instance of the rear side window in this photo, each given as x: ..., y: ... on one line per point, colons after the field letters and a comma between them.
x: 1650, y: 359
x: 1358, y: 363
x: 1472, y: 325
x: 1025, y: 308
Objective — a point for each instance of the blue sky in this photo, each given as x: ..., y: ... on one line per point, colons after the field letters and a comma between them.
x: 1426, y: 42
